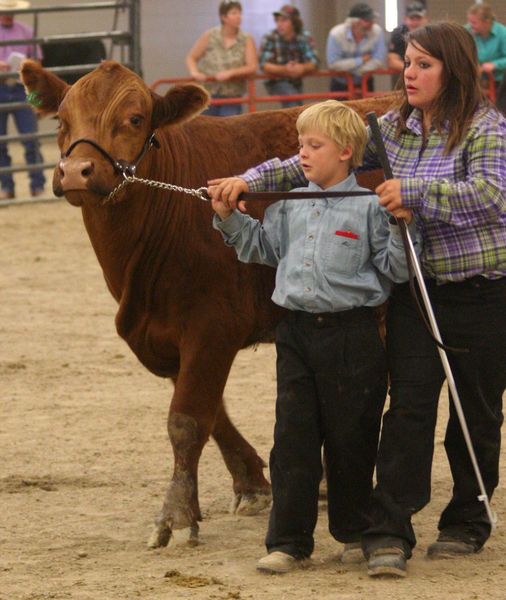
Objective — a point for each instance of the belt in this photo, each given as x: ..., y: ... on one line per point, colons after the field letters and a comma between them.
x: 478, y: 281
x: 332, y: 318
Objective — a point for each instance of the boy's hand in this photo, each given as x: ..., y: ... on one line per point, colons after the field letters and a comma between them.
x: 221, y: 209
x: 225, y: 192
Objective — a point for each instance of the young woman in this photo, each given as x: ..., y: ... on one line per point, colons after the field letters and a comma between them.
x: 224, y: 52
x: 447, y: 148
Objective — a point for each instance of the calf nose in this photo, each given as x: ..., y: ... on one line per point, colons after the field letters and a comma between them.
x: 74, y: 173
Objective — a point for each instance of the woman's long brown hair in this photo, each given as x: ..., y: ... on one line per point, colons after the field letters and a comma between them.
x: 461, y: 91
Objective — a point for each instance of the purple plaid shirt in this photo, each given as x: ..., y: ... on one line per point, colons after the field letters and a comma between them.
x: 459, y: 199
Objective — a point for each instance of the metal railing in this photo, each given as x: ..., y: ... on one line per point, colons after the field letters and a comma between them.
x: 490, y: 87
x: 253, y: 98
x: 352, y: 91
x: 127, y: 42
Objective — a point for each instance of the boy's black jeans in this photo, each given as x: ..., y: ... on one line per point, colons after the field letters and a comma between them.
x: 332, y: 380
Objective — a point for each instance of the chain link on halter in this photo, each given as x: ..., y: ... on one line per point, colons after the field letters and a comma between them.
x: 197, y: 193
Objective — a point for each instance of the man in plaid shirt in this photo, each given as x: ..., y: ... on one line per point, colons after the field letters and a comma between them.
x: 287, y: 52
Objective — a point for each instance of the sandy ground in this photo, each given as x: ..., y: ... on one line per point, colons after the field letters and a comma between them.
x: 85, y: 456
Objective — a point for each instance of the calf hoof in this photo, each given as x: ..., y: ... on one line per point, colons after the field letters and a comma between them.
x: 159, y: 537
x: 193, y: 539
x: 251, y: 503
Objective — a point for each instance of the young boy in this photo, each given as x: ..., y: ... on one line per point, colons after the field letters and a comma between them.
x: 336, y: 259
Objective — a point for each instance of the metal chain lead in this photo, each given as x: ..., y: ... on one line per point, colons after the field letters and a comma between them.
x: 197, y: 193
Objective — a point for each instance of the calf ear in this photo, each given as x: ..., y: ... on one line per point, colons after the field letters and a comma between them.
x: 44, y: 90
x: 180, y: 103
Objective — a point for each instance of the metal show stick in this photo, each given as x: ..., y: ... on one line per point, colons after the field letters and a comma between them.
x: 383, y: 158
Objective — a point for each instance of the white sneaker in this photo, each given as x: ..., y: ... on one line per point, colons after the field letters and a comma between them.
x: 352, y: 554
x: 277, y: 562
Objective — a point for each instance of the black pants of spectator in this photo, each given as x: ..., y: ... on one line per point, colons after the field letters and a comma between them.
x: 332, y: 382
x: 470, y: 314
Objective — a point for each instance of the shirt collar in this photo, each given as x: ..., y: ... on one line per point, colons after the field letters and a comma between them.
x: 348, y: 184
x: 495, y: 29
x: 415, y: 122
x: 349, y: 33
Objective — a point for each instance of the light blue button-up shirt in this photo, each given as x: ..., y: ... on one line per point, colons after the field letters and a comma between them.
x: 331, y: 254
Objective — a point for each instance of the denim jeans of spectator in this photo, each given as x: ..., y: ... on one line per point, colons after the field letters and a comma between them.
x: 223, y: 110
x: 25, y: 121
x: 284, y: 88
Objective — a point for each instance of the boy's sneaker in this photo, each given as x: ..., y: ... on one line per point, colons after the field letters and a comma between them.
x: 278, y: 562
x: 449, y: 549
x: 352, y: 553
x: 457, y: 540
x: 387, y: 561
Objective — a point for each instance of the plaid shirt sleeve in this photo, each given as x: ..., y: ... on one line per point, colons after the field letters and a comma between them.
x: 307, y: 48
x: 275, y: 174
x: 267, y: 50
x: 477, y: 199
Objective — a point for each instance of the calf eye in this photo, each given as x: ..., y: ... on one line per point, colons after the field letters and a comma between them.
x: 135, y: 120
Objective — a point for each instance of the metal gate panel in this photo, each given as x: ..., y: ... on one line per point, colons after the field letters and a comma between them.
x: 121, y: 45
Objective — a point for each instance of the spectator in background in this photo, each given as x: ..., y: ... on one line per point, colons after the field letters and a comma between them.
x: 289, y: 52
x: 416, y: 16
x: 357, y: 46
x: 12, y: 90
x: 224, y: 52
x: 490, y: 38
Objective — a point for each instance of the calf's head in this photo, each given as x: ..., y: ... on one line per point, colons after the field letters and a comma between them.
x: 107, y: 114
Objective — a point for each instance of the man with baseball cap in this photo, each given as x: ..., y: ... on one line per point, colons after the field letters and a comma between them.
x: 415, y: 17
x: 288, y: 52
x: 357, y: 46
x: 13, y: 91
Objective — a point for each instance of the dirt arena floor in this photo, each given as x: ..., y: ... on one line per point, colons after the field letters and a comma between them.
x: 85, y: 456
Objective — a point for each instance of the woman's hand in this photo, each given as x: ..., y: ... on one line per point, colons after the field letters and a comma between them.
x: 226, y: 191
x: 223, y: 75
x: 199, y: 76
x: 389, y: 193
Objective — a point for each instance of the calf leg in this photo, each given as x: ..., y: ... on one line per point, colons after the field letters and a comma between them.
x: 197, y: 396
x: 252, y: 491
x: 180, y: 507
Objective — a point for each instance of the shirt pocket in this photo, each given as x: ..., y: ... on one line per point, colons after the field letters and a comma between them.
x: 341, y: 253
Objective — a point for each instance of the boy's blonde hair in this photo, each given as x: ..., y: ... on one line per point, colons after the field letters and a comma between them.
x: 338, y: 122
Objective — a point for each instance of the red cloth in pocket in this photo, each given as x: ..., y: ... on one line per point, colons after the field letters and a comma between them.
x: 348, y: 234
